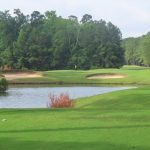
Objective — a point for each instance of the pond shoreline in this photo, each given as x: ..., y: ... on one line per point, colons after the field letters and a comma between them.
x: 75, y: 83
x: 38, y: 97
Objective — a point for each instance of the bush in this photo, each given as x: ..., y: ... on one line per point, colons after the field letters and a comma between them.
x: 3, y: 85
x: 60, y: 101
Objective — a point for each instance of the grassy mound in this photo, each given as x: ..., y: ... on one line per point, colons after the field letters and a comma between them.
x: 133, y: 75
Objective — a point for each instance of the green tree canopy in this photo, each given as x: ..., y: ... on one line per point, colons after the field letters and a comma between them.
x: 47, y: 41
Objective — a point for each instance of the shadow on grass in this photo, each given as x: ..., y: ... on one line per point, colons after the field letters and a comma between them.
x: 69, y: 110
x: 12, y: 144
x: 77, y: 129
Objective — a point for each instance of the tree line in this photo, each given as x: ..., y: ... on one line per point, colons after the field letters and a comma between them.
x: 47, y: 41
x: 137, y: 50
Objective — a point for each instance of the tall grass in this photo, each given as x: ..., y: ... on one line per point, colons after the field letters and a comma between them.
x: 62, y: 100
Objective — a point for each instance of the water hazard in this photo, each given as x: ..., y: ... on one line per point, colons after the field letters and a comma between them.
x: 37, y: 97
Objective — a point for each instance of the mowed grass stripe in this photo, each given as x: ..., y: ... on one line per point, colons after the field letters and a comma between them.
x: 114, y: 121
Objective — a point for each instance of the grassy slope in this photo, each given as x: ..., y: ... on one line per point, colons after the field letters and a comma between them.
x: 135, y: 75
x: 114, y: 121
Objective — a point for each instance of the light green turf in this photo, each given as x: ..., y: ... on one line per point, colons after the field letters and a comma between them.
x: 115, y: 121
x: 134, y: 75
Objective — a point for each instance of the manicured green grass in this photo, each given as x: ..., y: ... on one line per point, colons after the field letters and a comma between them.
x: 115, y: 121
x: 134, y: 75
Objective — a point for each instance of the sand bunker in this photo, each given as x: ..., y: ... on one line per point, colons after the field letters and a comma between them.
x: 13, y: 76
x: 106, y: 76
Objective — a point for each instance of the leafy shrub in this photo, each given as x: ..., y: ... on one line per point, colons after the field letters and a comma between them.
x: 3, y: 85
x: 60, y: 101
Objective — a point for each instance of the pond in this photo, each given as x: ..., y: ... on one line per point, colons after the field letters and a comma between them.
x: 37, y: 97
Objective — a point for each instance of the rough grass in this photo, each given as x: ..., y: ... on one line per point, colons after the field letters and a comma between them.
x: 115, y: 121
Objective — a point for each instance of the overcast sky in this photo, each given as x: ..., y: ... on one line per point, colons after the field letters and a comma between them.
x: 131, y: 16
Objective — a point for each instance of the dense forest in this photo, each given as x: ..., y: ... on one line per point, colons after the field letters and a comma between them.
x: 47, y: 41
x: 137, y: 50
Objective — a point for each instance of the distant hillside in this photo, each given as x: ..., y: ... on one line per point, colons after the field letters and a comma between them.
x: 137, y: 50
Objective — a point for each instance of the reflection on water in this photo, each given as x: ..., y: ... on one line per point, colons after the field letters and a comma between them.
x: 3, y: 94
x: 37, y: 97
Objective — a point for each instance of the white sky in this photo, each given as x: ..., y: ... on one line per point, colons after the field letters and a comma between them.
x: 131, y: 16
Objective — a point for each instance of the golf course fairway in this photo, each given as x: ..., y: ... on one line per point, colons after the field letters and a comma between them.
x: 113, y: 121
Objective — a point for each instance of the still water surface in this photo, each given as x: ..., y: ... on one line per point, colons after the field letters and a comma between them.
x: 37, y: 97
